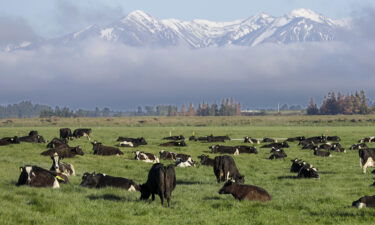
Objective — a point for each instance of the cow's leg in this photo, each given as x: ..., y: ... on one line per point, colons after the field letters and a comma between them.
x: 168, y: 201
x: 161, y: 198
x: 369, y: 163
x: 153, y: 197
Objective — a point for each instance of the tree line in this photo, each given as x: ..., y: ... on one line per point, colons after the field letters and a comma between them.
x: 337, y: 103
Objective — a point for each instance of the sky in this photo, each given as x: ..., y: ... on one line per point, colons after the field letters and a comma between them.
x: 103, y: 74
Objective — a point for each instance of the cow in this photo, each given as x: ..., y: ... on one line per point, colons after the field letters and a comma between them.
x: 135, y: 141
x: 276, y: 145
x: 175, y: 138
x: 206, y: 160
x: 184, y: 162
x: 277, y: 154
x: 174, y: 143
x: 317, y: 139
x: 69, y: 152
x: 299, y: 138
x: 318, y: 152
x: 367, y: 158
x: 66, y: 133
x: 266, y: 139
x: 56, y: 142
x: 333, y: 138
x: 365, y: 201
x: 212, y: 138
x: 146, y: 157
x: 100, y: 149
x: 358, y: 146
x: 9, y: 140
x: 367, y: 139
x: 61, y: 167
x: 251, y: 140
x: 332, y: 147
x: 161, y: 180
x: 225, y: 169
x: 127, y: 144
x: 308, y: 171
x: 297, y: 165
x: 193, y: 138
x: 167, y: 155
x: 82, y: 132
x: 224, y: 149
x: 245, y: 192
x: 35, y: 176
x: 246, y: 149
x: 33, y: 133
x: 99, y: 180
x: 32, y: 138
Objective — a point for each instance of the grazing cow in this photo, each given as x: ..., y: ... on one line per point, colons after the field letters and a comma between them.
x: 277, y: 154
x: 146, y: 157
x: 224, y: 149
x: 318, y: 152
x: 251, y: 140
x: 308, y: 171
x: 245, y: 192
x: 225, y: 169
x: 266, y: 139
x: 246, y: 149
x: 9, y: 140
x: 61, y: 167
x: 367, y: 158
x: 161, y: 181
x: 299, y: 138
x: 367, y: 139
x: 32, y: 138
x: 99, y: 180
x: 365, y: 201
x: 174, y: 143
x: 135, y: 141
x: 56, y: 143
x: 100, y: 149
x: 297, y: 165
x: 69, y: 152
x: 183, y: 162
x: 66, y: 133
x: 333, y: 138
x: 82, y: 132
x: 358, y: 146
x: 175, y: 138
x: 276, y: 145
x: 205, y: 160
x: 35, y: 176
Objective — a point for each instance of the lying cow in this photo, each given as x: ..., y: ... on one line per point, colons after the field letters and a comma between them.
x: 69, y: 152
x: 320, y: 153
x: 146, y: 157
x: 206, y: 160
x: 161, y: 181
x: 266, y: 139
x: 174, y: 143
x: 32, y: 138
x: 365, y: 201
x: 308, y: 171
x: 183, y: 162
x: 66, y: 133
x: 35, y: 176
x: 277, y: 154
x: 246, y: 149
x: 175, y: 138
x: 225, y: 169
x: 317, y: 139
x: 276, y: 145
x: 358, y: 146
x: 245, y: 192
x: 100, y: 149
x: 9, y: 140
x: 367, y: 139
x: 332, y: 147
x: 173, y: 156
x: 333, y: 138
x: 367, y: 158
x: 135, y: 141
x: 297, y: 165
x: 299, y: 138
x: 56, y: 142
x: 251, y: 140
x: 61, y: 167
x: 82, y: 132
x: 99, y: 180
x: 224, y: 149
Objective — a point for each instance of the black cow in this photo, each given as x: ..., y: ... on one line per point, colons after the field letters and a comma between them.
x: 33, y: 133
x: 245, y: 192
x: 365, y: 201
x: 69, y: 152
x: 212, y: 138
x: 317, y: 139
x: 9, y: 140
x: 61, y: 167
x: 276, y: 145
x: 174, y: 143
x: 224, y: 149
x: 175, y: 138
x: 99, y: 180
x: 167, y: 155
x: 206, y: 160
x: 225, y: 169
x: 297, y: 165
x: 66, y: 133
x: 308, y: 171
x: 161, y: 181
x: 100, y: 149
x: 35, y: 176
x: 251, y: 140
x: 246, y: 149
x: 299, y: 138
x: 32, y: 138
x: 82, y: 132
x: 135, y: 141
x: 56, y: 143
x: 333, y: 138
x: 266, y: 139
x: 277, y: 154
x: 367, y: 158
x: 193, y: 138
x: 318, y: 152
x: 358, y: 146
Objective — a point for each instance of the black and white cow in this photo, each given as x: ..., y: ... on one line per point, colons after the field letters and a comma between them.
x: 271, y: 140
x: 161, y: 180
x: 100, y: 149
x: 320, y: 153
x: 66, y: 133
x: 367, y: 139
x: 61, y: 167
x: 184, y: 162
x: 308, y: 171
x: 276, y: 145
x: 35, y: 138
x: 9, y: 140
x: 333, y: 138
x: 299, y: 138
x: 358, y: 146
x: 317, y: 139
x: 174, y: 143
x: 297, y: 165
x: 35, y: 176
x: 224, y: 149
x: 367, y: 158
x: 246, y: 149
x: 146, y: 157
x: 56, y: 142
x: 251, y: 140
x: 225, y: 169
x: 175, y: 138
x: 332, y: 147
x: 132, y: 142
x: 365, y: 201
x: 277, y: 153
x: 82, y: 132
x: 99, y: 180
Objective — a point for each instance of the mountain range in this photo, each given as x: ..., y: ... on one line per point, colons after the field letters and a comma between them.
x: 139, y: 29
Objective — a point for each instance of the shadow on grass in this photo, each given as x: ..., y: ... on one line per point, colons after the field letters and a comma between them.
x: 211, y: 198
x: 327, y: 172
x: 108, y: 197
x: 287, y: 177
x: 185, y: 182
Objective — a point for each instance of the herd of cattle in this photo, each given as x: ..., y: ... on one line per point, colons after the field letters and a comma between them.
x: 161, y: 179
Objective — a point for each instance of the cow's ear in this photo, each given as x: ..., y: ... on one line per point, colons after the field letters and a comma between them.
x: 21, y: 168
x: 32, y: 174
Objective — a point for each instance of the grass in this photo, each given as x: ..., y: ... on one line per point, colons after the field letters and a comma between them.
x: 195, y: 200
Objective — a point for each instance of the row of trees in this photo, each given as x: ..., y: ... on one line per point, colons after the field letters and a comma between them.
x: 24, y: 109
x: 333, y: 104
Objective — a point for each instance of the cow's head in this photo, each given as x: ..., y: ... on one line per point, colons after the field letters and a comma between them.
x: 227, y: 187
x: 145, y: 191
x: 90, y: 180
x: 77, y: 150
x: 40, y: 139
x: 26, y: 175
x: 55, y: 162
x: 240, y: 179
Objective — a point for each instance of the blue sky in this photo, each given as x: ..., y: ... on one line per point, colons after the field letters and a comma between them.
x: 55, y: 17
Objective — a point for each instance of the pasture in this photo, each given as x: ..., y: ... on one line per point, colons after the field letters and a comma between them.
x: 195, y: 200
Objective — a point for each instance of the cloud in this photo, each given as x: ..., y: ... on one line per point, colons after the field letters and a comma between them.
x: 15, y: 30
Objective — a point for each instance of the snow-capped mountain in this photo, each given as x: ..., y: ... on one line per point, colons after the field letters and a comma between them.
x: 141, y: 29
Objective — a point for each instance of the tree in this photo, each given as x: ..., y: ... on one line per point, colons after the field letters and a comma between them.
x: 312, y: 108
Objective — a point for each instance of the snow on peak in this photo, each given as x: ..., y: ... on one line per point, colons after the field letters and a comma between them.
x: 307, y: 13
x: 138, y: 15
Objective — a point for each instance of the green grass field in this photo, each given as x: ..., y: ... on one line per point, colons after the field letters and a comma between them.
x: 195, y: 200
